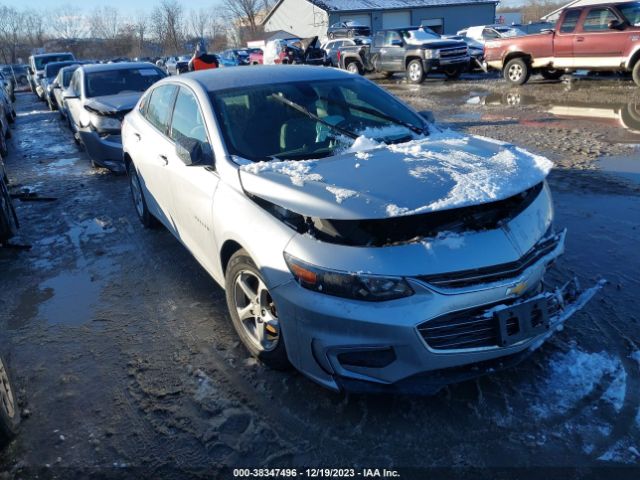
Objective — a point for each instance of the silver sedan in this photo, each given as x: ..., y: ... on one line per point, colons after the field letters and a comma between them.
x: 353, y: 238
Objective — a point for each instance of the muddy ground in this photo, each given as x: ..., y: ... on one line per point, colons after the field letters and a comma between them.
x: 127, y: 365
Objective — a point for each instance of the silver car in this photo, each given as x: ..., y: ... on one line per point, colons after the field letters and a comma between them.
x: 353, y: 239
x: 97, y: 99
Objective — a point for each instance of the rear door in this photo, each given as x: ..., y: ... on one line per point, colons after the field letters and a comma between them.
x: 596, y: 45
x: 155, y: 148
x: 193, y: 186
x: 564, y: 39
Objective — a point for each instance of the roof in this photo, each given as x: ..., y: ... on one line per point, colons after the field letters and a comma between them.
x: 104, y: 67
x: 353, y: 5
x: 553, y: 16
x: 224, y: 78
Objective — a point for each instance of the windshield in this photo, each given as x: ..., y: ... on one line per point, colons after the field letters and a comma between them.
x: 42, y: 61
x: 260, y: 122
x: 631, y: 12
x: 418, y: 37
x: 112, y: 82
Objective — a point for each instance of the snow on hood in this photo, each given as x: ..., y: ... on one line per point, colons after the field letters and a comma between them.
x: 114, y: 103
x: 370, y: 180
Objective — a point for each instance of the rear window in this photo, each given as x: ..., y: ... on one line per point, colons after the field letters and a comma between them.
x: 113, y: 82
x: 40, y: 62
x: 598, y: 20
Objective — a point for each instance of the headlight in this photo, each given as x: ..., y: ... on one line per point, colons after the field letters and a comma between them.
x: 431, y: 53
x: 104, y: 124
x: 370, y: 288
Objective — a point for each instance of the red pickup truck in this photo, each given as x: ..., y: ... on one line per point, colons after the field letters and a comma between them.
x: 604, y: 37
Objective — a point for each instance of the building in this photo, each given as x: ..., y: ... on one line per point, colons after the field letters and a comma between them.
x: 307, y: 18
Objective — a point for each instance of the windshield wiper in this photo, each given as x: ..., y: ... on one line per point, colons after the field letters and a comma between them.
x: 296, y: 106
x: 384, y: 116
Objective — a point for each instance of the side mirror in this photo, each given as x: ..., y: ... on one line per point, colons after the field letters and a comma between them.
x: 616, y: 25
x: 396, y: 43
x: 193, y: 152
x: 428, y: 116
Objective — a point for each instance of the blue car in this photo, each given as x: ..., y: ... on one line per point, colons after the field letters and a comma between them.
x: 234, y: 58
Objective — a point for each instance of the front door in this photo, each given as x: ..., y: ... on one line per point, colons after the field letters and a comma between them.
x: 596, y: 45
x: 193, y: 186
x: 564, y: 39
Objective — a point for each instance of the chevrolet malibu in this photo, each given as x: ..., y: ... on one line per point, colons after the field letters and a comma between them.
x: 354, y: 240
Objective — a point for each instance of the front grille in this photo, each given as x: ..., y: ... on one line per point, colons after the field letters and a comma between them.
x: 453, y: 52
x: 495, y: 273
x: 471, y: 328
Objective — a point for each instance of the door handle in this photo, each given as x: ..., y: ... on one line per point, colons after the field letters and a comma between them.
x: 164, y: 159
x: 580, y: 39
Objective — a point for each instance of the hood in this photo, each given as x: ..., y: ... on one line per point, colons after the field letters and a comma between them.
x: 438, y: 43
x: 112, y: 104
x: 309, y: 43
x: 371, y: 181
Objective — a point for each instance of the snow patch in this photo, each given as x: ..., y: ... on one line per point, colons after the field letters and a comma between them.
x: 395, y: 211
x: 575, y: 374
x: 341, y: 193
x: 299, y: 171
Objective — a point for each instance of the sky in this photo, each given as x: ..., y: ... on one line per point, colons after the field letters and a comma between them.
x: 125, y: 6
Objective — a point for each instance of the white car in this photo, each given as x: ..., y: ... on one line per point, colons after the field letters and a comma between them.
x: 353, y: 239
x: 485, y: 33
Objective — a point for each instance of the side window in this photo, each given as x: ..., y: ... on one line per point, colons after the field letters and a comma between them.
x: 598, y: 20
x: 570, y: 21
x: 143, y: 103
x: 390, y: 37
x: 187, y: 125
x: 75, y: 83
x: 159, y: 107
x: 490, y: 34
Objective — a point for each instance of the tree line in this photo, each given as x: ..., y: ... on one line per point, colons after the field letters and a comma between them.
x: 533, y: 10
x: 169, y: 28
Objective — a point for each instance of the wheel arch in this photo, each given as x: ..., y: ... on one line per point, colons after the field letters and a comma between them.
x: 410, y: 59
x: 229, y: 247
x: 635, y: 57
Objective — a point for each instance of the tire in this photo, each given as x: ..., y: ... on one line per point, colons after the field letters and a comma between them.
x: 258, y: 328
x: 387, y: 74
x: 516, y: 71
x: 137, y: 195
x: 9, y: 414
x: 551, y: 73
x: 635, y: 73
x: 453, y: 73
x: 415, y: 71
x: 8, y: 218
x: 631, y: 116
x: 354, y: 67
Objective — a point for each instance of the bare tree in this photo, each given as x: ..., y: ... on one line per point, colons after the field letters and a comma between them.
x: 141, y: 27
x: 104, y: 22
x: 245, y: 16
x: 34, y: 29
x: 167, y: 25
x: 67, y: 22
x: 11, y: 24
x: 199, y: 21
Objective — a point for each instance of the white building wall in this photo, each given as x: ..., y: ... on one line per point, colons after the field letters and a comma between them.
x: 299, y: 17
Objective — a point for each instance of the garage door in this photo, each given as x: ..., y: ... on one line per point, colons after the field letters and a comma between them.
x: 362, y: 18
x: 396, y: 19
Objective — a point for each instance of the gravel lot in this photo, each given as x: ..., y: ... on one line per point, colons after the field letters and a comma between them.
x: 127, y: 365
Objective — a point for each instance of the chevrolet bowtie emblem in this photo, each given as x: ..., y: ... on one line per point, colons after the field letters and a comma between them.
x: 517, y: 289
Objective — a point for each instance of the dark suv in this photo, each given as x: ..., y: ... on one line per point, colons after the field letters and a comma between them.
x: 414, y: 50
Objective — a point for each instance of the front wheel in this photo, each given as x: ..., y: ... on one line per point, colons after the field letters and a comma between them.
x: 9, y: 416
x: 415, y: 71
x: 137, y: 195
x: 354, y: 67
x: 635, y: 73
x: 253, y: 312
x: 517, y: 71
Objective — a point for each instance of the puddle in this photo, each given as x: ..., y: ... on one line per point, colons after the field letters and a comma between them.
x: 60, y: 167
x: 74, y: 296
x: 627, y: 167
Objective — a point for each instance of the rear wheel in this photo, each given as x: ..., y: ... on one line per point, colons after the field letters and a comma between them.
x: 137, y: 195
x: 9, y: 416
x: 8, y: 218
x: 253, y: 312
x: 635, y: 73
x: 551, y: 73
x: 517, y: 71
x: 415, y: 71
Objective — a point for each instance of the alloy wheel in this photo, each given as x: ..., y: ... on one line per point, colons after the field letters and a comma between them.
x: 515, y: 72
x: 256, y: 310
x: 415, y: 72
